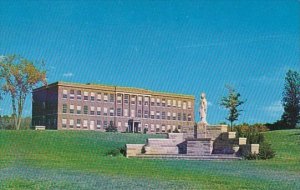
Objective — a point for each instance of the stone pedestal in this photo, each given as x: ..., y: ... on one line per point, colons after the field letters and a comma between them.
x: 199, y: 147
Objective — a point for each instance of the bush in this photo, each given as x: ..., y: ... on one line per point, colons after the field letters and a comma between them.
x: 251, y: 156
x: 265, y: 151
x: 117, y: 151
x: 255, y: 138
x: 111, y: 127
x: 176, y: 131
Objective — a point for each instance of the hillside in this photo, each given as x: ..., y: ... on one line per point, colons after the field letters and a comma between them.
x: 78, y: 160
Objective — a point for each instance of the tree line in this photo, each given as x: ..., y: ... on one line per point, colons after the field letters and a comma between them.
x: 290, y: 118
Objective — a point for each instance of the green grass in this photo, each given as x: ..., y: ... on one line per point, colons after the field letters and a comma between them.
x: 78, y: 160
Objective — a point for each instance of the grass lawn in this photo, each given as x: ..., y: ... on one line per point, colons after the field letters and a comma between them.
x: 78, y: 160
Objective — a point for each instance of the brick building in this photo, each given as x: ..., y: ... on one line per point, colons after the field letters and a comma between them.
x: 63, y: 105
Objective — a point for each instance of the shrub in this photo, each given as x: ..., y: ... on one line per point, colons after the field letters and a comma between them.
x: 265, y: 151
x: 251, y: 156
x: 111, y: 127
x: 176, y: 131
x: 116, y: 151
x: 255, y: 138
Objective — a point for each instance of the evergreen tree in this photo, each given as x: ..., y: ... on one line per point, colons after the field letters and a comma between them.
x: 291, y: 99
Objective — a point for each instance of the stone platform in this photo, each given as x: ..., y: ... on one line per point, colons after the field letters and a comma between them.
x: 211, y: 142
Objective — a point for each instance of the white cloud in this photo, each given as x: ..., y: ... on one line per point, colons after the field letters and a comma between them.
x: 209, y: 103
x: 69, y: 74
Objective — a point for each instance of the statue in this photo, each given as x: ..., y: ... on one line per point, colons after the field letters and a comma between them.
x: 203, y: 109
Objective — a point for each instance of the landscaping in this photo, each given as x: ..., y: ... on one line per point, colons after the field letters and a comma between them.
x: 82, y: 160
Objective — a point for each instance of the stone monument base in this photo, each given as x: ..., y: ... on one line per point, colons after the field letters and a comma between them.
x: 202, y: 142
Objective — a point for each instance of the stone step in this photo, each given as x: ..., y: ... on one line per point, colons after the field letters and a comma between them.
x: 219, y: 157
x: 161, y: 150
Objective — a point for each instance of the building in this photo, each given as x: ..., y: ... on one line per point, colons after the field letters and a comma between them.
x: 72, y: 106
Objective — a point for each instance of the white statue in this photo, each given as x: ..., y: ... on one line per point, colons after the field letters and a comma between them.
x: 203, y: 108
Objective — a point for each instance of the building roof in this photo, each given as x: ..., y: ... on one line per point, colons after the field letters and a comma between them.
x: 114, y: 88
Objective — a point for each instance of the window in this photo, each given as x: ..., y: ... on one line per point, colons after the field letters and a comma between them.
x: 179, y: 103
x: 85, y: 123
x: 92, y: 125
x: 157, y: 115
x: 163, y: 128
x: 71, y: 108
x: 152, y: 114
x: 111, y: 98
x: 99, y: 123
x: 179, y: 116
x: 146, y: 114
x: 169, y: 128
x: 98, y: 96
x: 174, y: 116
x: 169, y: 116
x: 111, y: 112
x: 105, y: 124
x: 157, y: 128
x: 132, y: 113
x: 92, y: 96
x: 158, y: 102
x: 92, y: 112
x: 152, y: 101
x: 163, y: 115
x: 139, y: 113
x: 78, y: 109
x: 189, y: 104
x: 179, y: 127
x: 105, y: 111
x: 64, y: 108
x: 64, y: 123
x: 71, y: 123
x: 184, y: 105
x: 152, y: 127
x: 140, y: 100
x: 169, y: 103
x: 78, y: 123
x: 85, y: 96
x: 98, y: 110
x: 174, y: 103
x: 163, y: 102
x: 146, y: 101
x: 71, y: 94
x: 184, y: 116
x: 105, y: 97
x: 78, y: 94
x: 126, y: 98
x: 126, y: 112
x: 133, y: 100
x: 85, y: 109
x: 189, y: 117
x: 119, y: 112
x: 119, y: 99
x: 65, y: 94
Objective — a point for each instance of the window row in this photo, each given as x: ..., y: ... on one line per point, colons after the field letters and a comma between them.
x: 125, y: 112
x: 99, y: 124
x: 92, y: 96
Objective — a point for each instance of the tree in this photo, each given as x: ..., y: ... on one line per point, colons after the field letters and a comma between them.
x: 232, y: 102
x: 291, y: 99
x: 19, y: 76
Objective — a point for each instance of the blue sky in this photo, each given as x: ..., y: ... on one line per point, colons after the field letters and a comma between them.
x: 184, y: 47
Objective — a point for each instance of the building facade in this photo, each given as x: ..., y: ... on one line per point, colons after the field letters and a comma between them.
x: 71, y: 106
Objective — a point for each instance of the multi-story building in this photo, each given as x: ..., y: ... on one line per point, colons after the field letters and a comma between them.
x: 63, y: 105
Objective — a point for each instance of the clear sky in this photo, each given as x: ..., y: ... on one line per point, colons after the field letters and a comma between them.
x: 180, y: 46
